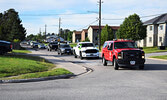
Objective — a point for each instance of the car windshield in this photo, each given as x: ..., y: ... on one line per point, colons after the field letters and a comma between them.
x: 87, y: 45
x: 120, y: 45
x: 65, y: 46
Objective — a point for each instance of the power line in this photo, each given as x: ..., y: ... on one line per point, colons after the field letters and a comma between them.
x: 54, y: 14
x: 140, y: 17
x: 88, y: 25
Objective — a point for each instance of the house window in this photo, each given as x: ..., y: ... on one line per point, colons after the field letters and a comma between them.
x: 151, y: 28
x: 160, y: 39
x: 161, y: 27
x: 150, y: 39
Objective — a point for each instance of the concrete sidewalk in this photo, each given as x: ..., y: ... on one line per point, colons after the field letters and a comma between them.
x: 60, y: 63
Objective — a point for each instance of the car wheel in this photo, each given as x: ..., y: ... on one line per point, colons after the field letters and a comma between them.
x: 81, y: 56
x: 141, y: 67
x: 61, y: 53
x: 115, y: 65
x: 104, y: 61
x: 75, y: 56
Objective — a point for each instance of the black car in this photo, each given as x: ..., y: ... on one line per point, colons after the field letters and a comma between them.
x: 5, y: 47
x: 64, y: 49
x: 52, y: 46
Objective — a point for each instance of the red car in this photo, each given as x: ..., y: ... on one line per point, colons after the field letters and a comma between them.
x: 123, y: 53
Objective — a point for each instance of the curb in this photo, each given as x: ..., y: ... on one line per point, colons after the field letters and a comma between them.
x: 39, y: 79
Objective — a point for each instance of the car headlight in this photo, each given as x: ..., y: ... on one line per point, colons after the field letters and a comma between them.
x: 143, y: 55
x: 63, y: 49
x: 120, y: 55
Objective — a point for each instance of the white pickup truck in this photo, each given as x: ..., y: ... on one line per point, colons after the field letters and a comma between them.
x: 85, y: 50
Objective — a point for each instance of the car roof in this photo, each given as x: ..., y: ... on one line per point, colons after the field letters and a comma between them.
x: 120, y: 41
x: 84, y: 42
x: 5, y: 41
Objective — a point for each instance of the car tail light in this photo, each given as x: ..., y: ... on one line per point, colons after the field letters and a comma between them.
x: 11, y: 46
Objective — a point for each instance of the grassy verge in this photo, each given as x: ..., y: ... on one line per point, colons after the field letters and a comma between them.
x: 160, y: 57
x: 73, y: 44
x: 152, y: 50
x: 21, y: 51
x: 24, y: 66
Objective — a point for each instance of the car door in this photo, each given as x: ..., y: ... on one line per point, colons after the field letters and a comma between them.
x: 77, y: 49
x: 110, y: 52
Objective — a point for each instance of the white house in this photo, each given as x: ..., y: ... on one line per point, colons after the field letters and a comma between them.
x: 156, y: 32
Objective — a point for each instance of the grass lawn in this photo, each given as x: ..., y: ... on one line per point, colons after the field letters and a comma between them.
x: 152, y: 50
x: 73, y: 44
x: 21, y: 51
x: 160, y: 57
x: 25, y: 66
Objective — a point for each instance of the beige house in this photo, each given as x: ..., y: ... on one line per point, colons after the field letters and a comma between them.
x: 156, y: 32
x: 93, y: 32
x: 76, y: 36
x: 84, y: 34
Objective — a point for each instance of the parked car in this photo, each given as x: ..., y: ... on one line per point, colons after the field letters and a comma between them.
x: 5, y: 47
x: 53, y: 46
x: 35, y: 45
x: 85, y: 50
x: 123, y: 53
x: 64, y: 49
x: 41, y: 46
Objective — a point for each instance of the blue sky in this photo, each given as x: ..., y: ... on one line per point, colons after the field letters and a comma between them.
x: 75, y: 14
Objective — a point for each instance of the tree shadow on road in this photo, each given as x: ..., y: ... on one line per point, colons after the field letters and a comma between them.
x: 155, y: 67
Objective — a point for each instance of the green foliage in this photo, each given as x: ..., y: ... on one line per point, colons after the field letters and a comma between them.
x: 106, y: 34
x: 11, y: 27
x: 16, y: 40
x: 132, y: 28
x: 69, y: 36
x: 86, y: 40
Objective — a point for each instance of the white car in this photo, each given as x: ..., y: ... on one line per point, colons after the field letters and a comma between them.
x: 85, y: 50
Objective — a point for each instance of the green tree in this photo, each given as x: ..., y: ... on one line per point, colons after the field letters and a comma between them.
x: 12, y: 27
x: 106, y: 34
x: 132, y: 28
x: 69, y: 36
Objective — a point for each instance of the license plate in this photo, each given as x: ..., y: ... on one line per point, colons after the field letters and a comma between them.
x: 91, y: 54
x: 132, y: 62
x: 67, y: 51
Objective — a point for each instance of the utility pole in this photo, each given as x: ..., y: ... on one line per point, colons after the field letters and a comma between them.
x: 39, y: 30
x: 99, y: 42
x: 59, y: 26
x: 45, y: 30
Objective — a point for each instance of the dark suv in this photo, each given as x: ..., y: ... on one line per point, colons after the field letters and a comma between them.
x: 53, y: 46
x: 122, y: 53
x: 5, y: 47
x: 64, y: 49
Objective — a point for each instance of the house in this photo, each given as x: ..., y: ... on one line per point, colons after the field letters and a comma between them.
x: 51, y: 38
x: 156, y: 32
x: 93, y: 32
x: 76, y: 36
x: 84, y: 34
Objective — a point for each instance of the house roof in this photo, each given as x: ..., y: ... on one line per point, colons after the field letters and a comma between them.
x: 97, y: 27
x: 157, y: 20
x: 77, y: 32
x: 85, y: 30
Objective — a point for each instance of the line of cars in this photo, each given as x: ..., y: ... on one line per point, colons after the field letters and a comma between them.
x: 121, y: 53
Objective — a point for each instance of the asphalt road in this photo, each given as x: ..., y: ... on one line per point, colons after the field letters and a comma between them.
x: 104, y: 83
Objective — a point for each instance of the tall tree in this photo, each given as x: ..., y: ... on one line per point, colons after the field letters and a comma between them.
x: 106, y: 34
x: 132, y: 28
x: 13, y: 29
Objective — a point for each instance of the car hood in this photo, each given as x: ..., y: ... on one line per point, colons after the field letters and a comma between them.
x: 88, y: 48
x: 119, y: 50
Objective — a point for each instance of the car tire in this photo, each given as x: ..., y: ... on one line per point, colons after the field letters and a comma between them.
x: 116, y: 67
x: 104, y: 61
x: 141, y: 67
x: 81, y: 56
x: 75, y: 56
x: 61, y: 53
